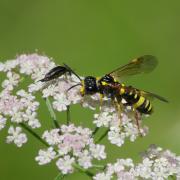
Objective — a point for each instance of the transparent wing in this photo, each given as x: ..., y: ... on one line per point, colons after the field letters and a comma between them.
x: 143, y: 64
x: 150, y: 95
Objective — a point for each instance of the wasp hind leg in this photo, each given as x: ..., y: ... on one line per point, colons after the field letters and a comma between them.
x: 137, y: 120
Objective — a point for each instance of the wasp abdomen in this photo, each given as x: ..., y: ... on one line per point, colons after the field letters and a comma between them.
x: 145, y: 107
x: 136, y: 100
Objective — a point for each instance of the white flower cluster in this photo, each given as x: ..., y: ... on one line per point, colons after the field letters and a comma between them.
x: 156, y: 164
x: 20, y: 106
x: 120, y: 126
x: 70, y: 144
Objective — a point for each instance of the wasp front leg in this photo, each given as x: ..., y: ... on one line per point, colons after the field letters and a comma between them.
x: 101, y: 100
x: 118, y: 108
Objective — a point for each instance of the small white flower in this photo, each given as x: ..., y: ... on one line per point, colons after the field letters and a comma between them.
x: 102, y: 176
x: 50, y: 91
x: 17, y: 117
x: 115, y: 137
x: 2, y: 66
x: 102, y: 119
x: 45, y: 156
x: 97, y: 151
x: 32, y: 106
x: 132, y: 131
x: 68, y: 129
x: 34, y: 65
x: 84, y: 159
x: 10, y: 64
x: 30, y: 117
x: 13, y: 80
x: 2, y: 122
x: 65, y: 164
x: 52, y: 137
x: 34, y: 123
x: 61, y: 102
x: 35, y: 87
x: 64, y: 149
x: 161, y: 168
x: 144, y: 169
x: 74, y: 95
x: 16, y: 136
x: 25, y: 95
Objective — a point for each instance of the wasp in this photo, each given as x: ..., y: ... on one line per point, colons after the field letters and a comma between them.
x: 110, y: 84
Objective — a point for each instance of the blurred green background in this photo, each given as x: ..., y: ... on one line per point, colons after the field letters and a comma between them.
x: 94, y: 37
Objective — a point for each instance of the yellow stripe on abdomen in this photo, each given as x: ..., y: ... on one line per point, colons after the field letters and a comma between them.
x: 150, y: 108
x: 140, y: 102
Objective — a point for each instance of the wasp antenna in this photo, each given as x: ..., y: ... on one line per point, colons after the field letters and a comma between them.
x: 72, y: 71
x: 79, y: 84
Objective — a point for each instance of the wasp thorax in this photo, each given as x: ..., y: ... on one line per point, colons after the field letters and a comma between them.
x: 107, y: 78
x: 90, y: 85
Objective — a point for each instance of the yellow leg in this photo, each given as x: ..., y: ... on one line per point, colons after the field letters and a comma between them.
x: 101, y: 100
x: 119, y: 110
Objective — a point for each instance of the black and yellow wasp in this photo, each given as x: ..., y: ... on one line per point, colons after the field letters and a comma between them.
x: 110, y: 84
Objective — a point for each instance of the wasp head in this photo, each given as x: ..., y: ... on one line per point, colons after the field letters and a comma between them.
x: 89, y: 85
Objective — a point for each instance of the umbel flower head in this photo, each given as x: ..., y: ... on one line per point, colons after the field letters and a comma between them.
x: 70, y: 145
x: 73, y: 147
x: 21, y: 106
x: 156, y: 164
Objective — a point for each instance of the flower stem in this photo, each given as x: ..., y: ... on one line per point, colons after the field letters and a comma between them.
x: 80, y: 169
x: 34, y: 134
x: 98, y: 166
x: 52, y: 113
x: 68, y: 115
x: 95, y: 131
x: 172, y: 177
x: 103, y: 135
x: 59, y: 177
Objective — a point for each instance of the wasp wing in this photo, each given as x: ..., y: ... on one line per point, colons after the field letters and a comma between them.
x: 150, y: 95
x: 143, y: 64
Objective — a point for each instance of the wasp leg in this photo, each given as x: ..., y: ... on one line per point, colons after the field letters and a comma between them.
x: 137, y: 119
x: 66, y: 77
x: 101, y: 100
x: 118, y: 108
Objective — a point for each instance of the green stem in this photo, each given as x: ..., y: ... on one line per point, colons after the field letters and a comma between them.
x: 52, y: 113
x: 80, y: 169
x: 98, y: 166
x: 172, y: 177
x: 95, y: 131
x: 59, y: 177
x: 103, y: 135
x: 68, y: 115
x: 34, y: 134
